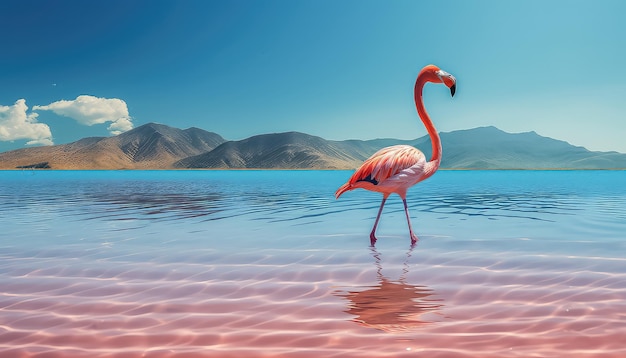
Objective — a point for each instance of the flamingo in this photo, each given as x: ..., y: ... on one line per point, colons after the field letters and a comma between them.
x: 396, y: 168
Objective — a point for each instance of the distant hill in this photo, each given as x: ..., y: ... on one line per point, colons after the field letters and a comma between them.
x: 478, y: 148
x: 492, y: 148
x: 151, y: 146
x: 290, y: 150
x: 157, y: 146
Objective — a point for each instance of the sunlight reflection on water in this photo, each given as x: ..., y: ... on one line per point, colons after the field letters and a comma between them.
x: 219, y: 264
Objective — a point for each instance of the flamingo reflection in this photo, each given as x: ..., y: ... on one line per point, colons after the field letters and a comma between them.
x: 393, y: 306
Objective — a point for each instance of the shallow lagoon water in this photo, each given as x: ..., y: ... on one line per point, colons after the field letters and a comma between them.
x: 268, y: 263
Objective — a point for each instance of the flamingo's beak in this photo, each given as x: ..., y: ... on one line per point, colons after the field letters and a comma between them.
x: 453, y: 89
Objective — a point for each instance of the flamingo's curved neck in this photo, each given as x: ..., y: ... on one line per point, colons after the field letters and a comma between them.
x: 435, y: 160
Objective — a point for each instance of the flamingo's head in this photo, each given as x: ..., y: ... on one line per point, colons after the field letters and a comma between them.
x: 434, y: 74
x: 448, y: 80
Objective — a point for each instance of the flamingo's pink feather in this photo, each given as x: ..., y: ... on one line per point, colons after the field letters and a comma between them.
x: 383, y: 165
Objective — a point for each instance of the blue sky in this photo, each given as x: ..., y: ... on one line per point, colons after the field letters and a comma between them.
x: 336, y: 69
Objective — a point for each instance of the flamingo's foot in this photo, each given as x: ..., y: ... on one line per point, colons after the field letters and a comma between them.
x: 372, y: 238
x: 414, y: 239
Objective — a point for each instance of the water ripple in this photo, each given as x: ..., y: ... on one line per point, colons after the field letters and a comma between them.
x: 231, y: 264
x: 209, y: 199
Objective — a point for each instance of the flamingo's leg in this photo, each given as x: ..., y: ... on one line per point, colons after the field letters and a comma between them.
x: 380, y: 211
x: 408, y: 220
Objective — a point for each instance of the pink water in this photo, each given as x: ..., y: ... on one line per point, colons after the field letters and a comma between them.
x: 78, y: 283
x: 311, y: 304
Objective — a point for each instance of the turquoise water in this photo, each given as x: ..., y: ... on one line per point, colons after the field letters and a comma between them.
x: 266, y: 263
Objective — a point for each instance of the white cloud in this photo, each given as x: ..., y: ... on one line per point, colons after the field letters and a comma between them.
x: 120, y: 126
x: 16, y: 124
x: 90, y: 110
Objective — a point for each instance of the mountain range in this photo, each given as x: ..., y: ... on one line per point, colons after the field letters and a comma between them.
x: 157, y: 146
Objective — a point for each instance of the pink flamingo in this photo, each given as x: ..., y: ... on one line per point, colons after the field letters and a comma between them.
x: 397, y: 168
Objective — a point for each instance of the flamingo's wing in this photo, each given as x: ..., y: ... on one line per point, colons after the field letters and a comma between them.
x: 383, y: 165
x: 386, y: 163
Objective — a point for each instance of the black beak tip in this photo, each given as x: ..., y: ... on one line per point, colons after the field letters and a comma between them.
x: 453, y: 90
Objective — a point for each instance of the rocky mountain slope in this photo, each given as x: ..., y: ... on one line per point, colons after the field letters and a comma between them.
x: 157, y: 146
x: 151, y: 146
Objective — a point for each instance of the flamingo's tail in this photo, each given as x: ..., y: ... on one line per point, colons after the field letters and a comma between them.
x: 342, y: 189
